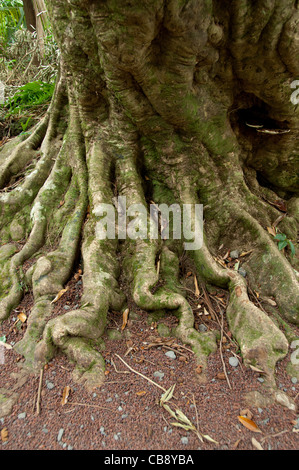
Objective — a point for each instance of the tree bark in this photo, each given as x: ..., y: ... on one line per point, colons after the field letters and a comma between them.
x: 30, y: 17
x: 171, y: 102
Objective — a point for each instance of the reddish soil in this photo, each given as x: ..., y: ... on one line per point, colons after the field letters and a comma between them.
x: 125, y: 414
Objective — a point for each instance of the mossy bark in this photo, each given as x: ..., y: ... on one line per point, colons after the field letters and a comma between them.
x: 163, y: 99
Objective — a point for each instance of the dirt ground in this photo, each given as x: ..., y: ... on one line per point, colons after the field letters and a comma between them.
x: 54, y: 413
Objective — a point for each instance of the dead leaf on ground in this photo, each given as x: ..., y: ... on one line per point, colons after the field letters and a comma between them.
x: 198, y: 369
x: 246, y: 413
x: 60, y: 294
x: 4, y: 435
x: 125, y: 318
x: 221, y: 376
x: 22, y: 317
x: 140, y: 394
x: 196, y: 287
x: 272, y: 231
x: 65, y: 395
x: 256, y: 444
x: 249, y: 424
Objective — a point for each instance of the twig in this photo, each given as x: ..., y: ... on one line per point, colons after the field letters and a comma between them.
x: 118, y: 371
x: 139, y: 373
x: 39, y: 391
x: 221, y: 354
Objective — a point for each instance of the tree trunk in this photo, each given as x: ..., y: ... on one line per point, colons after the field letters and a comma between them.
x: 30, y: 17
x: 168, y: 102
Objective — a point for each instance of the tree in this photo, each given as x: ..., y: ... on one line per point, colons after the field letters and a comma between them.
x: 166, y: 102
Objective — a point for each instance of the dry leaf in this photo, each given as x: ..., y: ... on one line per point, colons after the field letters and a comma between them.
x: 272, y: 231
x: 198, y: 369
x: 22, y: 317
x: 246, y: 413
x: 256, y: 444
x: 60, y: 294
x: 221, y: 376
x: 249, y: 424
x: 4, y: 435
x: 140, y: 394
x: 196, y: 286
x: 65, y: 395
x: 208, y: 438
x: 125, y: 318
x: 256, y: 369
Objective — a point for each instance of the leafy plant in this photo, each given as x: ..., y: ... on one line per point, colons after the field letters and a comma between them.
x: 11, y: 18
x: 25, y: 124
x: 30, y: 95
x: 283, y: 242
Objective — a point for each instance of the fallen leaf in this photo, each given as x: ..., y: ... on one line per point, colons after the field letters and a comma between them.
x: 249, y: 424
x: 246, y: 413
x: 60, y: 294
x: 198, y: 369
x: 166, y: 396
x: 256, y: 369
x: 22, y: 317
x: 245, y: 253
x: 140, y: 394
x: 4, y: 435
x: 272, y: 231
x: 7, y: 346
x: 221, y: 375
x: 196, y: 286
x: 236, y: 443
x: 208, y: 438
x: 256, y: 444
x: 125, y: 318
x: 65, y: 395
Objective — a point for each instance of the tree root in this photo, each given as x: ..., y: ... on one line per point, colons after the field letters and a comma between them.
x: 146, y: 134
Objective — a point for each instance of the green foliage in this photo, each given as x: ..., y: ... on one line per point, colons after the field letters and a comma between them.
x: 11, y: 19
x: 283, y: 242
x: 29, y: 96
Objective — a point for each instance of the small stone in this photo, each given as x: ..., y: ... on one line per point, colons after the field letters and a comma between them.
x: 234, y: 254
x: 49, y: 385
x: 233, y: 361
x: 242, y: 272
x: 22, y: 415
x: 159, y: 374
x: 184, y: 440
x: 60, y: 434
x: 261, y: 380
x: 202, y: 328
x: 102, y: 430
x: 170, y: 354
x: 294, y: 380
